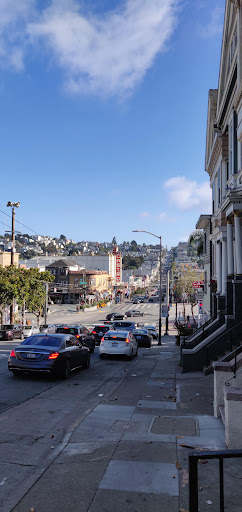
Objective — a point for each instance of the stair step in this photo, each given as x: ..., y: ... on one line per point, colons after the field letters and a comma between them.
x: 207, y: 370
x: 222, y: 412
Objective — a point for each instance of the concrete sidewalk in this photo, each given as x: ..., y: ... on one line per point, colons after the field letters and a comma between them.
x: 131, y: 452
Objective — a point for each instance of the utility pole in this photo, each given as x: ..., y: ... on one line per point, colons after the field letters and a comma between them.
x: 167, y: 301
x: 46, y: 301
x: 13, y: 206
x: 156, y: 236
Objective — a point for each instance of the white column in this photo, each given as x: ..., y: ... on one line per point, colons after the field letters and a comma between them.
x: 238, y: 244
x: 224, y: 266
x: 230, y: 248
x: 219, y: 267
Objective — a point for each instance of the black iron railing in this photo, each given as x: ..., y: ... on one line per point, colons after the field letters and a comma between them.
x: 204, y: 331
x: 226, y: 339
x: 193, y: 474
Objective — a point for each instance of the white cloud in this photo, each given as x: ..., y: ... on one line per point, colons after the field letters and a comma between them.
x: 106, y: 54
x: 14, y: 14
x: 144, y: 215
x: 189, y: 195
x: 215, y: 25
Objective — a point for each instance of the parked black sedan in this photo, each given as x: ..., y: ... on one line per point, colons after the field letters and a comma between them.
x: 57, y: 354
x: 114, y: 316
x: 142, y: 337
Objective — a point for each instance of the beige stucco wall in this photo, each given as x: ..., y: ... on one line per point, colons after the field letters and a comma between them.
x: 5, y: 259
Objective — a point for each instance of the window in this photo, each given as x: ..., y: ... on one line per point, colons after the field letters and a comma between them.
x: 213, y: 189
x: 219, y: 186
x: 231, y: 148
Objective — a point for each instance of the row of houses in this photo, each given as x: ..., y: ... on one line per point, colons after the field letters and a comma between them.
x: 216, y: 346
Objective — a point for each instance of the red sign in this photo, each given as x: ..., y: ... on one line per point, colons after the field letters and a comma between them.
x: 197, y: 284
x: 118, y: 267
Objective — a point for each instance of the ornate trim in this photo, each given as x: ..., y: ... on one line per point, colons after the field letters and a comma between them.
x: 216, y: 151
x: 238, y: 96
x: 236, y: 3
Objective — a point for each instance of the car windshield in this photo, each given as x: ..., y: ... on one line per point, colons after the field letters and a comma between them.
x: 140, y: 331
x: 6, y: 327
x: 43, y: 341
x: 67, y: 330
x: 116, y: 336
x: 122, y: 324
x: 101, y: 328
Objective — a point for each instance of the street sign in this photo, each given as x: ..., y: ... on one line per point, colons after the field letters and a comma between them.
x: 165, y: 310
x: 83, y: 282
x: 197, y: 284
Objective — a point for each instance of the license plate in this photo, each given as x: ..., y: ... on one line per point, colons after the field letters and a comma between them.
x: 138, y: 337
x: 114, y: 344
x: 31, y: 356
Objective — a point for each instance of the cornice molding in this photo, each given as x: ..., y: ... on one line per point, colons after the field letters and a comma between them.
x: 238, y: 96
x: 216, y: 151
x: 236, y: 3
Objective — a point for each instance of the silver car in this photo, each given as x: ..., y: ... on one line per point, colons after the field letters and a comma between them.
x: 118, y: 343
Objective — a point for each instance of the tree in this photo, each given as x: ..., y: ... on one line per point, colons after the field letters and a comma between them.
x: 114, y: 241
x: 134, y: 246
x: 184, y: 287
x: 62, y: 237
x: 26, y: 286
x: 195, y: 242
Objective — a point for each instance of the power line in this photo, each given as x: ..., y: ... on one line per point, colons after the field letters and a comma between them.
x: 21, y: 223
x: 6, y: 225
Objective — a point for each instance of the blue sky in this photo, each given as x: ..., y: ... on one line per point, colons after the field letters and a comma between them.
x: 103, y: 115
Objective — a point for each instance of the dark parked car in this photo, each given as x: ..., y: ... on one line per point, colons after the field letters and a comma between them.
x: 134, y: 312
x: 137, y: 300
x: 114, y: 316
x: 99, y: 331
x: 152, y: 330
x: 81, y: 333
x: 11, y: 331
x: 57, y: 354
x: 124, y: 326
x: 142, y: 337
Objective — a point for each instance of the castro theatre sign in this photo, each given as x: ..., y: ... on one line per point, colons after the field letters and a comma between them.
x: 118, y: 267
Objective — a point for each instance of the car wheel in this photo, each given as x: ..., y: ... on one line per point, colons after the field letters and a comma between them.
x: 102, y: 356
x: 22, y: 337
x: 87, y: 364
x: 67, y: 370
x: 136, y: 352
x: 92, y: 348
x: 16, y: 373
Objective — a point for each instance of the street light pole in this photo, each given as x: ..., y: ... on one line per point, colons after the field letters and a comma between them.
x: 156, y: 236
x: 12, y: 205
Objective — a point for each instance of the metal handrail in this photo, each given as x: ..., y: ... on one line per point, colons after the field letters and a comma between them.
x: 202, y: 328
x: 221, y: 335
x: 193, y: 474
x: 228, y: 355
x: 233, y: 377
x: 201, y: 331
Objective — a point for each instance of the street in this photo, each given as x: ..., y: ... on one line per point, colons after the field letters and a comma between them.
x: 107, y: 439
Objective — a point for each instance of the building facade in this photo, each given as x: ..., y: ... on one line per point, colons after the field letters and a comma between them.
x: 223, y: 163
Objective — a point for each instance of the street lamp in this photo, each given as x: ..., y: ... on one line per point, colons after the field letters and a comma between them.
x: 156, y: 236
x: 12, y: 205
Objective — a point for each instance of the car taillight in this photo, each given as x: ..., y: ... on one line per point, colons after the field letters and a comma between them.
x: 54, y: 355
x: 102, y: 341
x: 127, y: 340
x: 94, y: 332
x: 77, y: 335
x: 12, y: 353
